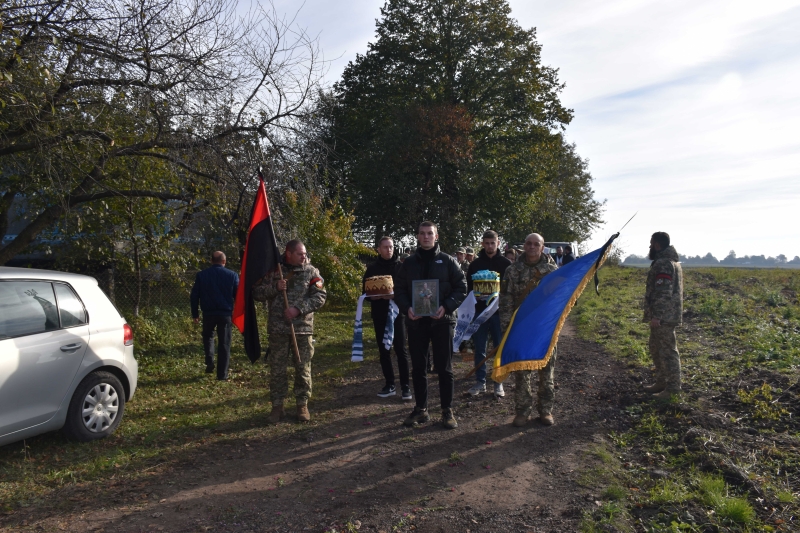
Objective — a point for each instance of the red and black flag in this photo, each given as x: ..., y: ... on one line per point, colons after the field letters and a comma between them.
x: 261, y: 256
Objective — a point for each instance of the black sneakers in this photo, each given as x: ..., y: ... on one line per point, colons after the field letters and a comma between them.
x: 417, y: 416
x: 387, y: 391
x: 407, y: 393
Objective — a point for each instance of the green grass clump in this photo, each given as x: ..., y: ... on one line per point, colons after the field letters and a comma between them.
x: 736, y: 510
x: 668, y: 491
x: 713, y: 492
x: 614, y: 493
x: 455, y: 457
x: 711, y: 489
x: 609, y: 516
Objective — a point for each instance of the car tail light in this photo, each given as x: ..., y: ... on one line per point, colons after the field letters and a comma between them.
x: 128, y: 338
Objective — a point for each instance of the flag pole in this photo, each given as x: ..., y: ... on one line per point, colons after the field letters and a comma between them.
x: 488, y: 356
x: 295, y: 348
x: 291, y: 326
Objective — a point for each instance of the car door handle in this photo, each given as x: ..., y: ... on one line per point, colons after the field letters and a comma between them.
x: 71, y: 347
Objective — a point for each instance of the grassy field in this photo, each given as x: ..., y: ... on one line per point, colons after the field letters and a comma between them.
x: 725, y: 456
x: 176, y: 409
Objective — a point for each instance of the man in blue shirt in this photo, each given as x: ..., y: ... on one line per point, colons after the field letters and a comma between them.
x: 214, y: 290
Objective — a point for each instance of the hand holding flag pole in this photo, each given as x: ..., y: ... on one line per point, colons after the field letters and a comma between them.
x: 295, y: 348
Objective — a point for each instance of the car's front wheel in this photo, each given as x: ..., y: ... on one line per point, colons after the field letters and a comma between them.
x: 96, y: 408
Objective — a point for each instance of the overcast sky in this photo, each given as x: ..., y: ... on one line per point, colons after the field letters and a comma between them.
x: 689, y: 112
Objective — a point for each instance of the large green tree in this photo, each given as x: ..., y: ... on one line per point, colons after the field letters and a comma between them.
x: 449, y: 116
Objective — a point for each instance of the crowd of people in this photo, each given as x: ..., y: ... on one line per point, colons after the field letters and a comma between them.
x: 423, y: 341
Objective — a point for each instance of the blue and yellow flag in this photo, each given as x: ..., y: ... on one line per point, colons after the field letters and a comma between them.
x: 533, y: 332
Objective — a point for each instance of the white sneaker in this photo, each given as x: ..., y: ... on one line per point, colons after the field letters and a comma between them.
x: 498, y: 390
x: 478, y: 388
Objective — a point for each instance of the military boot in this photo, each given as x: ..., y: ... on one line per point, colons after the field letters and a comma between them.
x: 449, y: 419
x: 276, y: 414
x: 417, y: 417
x: 520, y: 420
x: 546, y: 420
x: 302, y: 413
x: 654, y: 388
x: 667, y: 395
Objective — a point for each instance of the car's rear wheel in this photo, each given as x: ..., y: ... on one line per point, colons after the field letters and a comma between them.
x: 96, y: 408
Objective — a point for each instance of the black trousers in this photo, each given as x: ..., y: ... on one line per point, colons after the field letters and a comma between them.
x: 439, y: 335
x: 222, y: 325
x: 379, y: 322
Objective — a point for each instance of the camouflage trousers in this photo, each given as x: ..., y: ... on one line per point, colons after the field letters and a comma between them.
x: 667, y: 360
x: 546, y: 393
x: 281, y: 355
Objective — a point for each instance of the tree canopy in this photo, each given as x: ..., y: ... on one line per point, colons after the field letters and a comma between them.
x: 451, y: 116
x: 90, y: 87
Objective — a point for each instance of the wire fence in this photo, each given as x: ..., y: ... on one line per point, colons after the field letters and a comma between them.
x: 156, y: 290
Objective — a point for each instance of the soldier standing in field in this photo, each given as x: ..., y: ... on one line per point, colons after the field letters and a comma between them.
x: 306, y: 293
x: 520, y: 279
x: 663, y: 310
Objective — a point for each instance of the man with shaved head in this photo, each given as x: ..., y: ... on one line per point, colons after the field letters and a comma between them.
x: 214, y: 290
x: 520, y: 279
x: 305, y: 294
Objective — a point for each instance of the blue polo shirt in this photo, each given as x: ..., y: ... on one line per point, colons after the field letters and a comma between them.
x: 214, y: 289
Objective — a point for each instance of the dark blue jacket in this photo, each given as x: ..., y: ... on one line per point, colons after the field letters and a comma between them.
x: 214, y: 289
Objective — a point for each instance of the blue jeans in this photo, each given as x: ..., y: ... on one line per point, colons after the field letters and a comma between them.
x: 481, y: 338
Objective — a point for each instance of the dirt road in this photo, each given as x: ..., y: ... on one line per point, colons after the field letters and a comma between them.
x: 355, y: 467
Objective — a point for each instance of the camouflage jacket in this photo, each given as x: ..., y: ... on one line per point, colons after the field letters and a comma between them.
x: 516, y: 280
x: 305, y: 289
x: 464, y: 265
x: 663, y: 297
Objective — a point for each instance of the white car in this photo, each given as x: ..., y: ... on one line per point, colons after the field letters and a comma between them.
x: 66, y: 356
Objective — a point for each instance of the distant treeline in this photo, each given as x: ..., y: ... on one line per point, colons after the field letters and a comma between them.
x: 731, y: 260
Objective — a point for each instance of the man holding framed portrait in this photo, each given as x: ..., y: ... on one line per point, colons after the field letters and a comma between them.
x: 430, y: 287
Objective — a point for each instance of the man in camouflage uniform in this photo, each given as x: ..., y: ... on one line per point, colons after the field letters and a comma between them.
x: 663, y: 310
x: 305, y: 290
x: 520, y: 279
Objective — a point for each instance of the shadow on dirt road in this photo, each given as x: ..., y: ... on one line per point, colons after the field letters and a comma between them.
x: 355, y: 467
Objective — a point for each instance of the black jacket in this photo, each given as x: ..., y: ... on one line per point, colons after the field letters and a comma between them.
x: 452, y: 284
x: 568, y: 258
x: 382, y: 267
x: 498, y: 263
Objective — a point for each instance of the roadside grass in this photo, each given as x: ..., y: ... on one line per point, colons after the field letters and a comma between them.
x: 177, y: 408
x: 730, y: 445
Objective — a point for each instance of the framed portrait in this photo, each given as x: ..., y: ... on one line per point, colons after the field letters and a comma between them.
x: 425, y: 300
